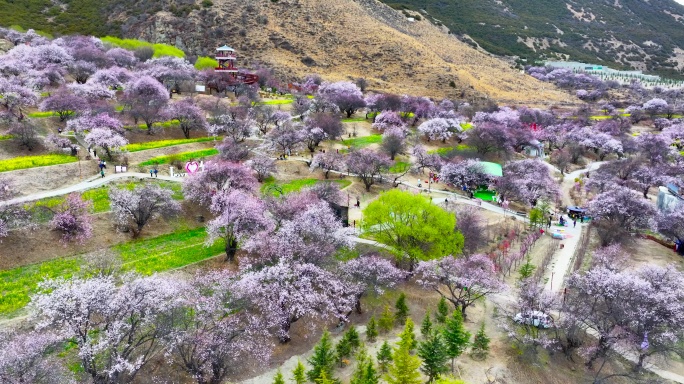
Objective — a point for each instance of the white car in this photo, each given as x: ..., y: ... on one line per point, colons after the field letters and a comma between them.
x: 535, y: 318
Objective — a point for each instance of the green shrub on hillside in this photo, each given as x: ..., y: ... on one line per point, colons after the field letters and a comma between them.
x: 135, y: 44
x: 205, y: 62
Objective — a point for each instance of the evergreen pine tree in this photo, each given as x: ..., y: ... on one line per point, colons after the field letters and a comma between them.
x: 371, y: 330
x: 404, y: 368
x: 386, y: 322
x: 434, y: 354
x: 324, y: 379
x: 455, y: 337
x: 402, y: 309
x: 323, y: 358
x: 426, y: 326
x: 442, y: 311
x: 371, y: 376
x: 480, y: 346
x: 359, y: 374
x: 343, y: 351
x: 384, y: 356
x: 353, y: 338
x: 299, y: 373
x: 408, y: 337
x: 278, y: 379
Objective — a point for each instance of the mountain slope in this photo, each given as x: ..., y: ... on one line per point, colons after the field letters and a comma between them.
x: 340, y: 39
x: 344, y: 39
x: 640, y: 34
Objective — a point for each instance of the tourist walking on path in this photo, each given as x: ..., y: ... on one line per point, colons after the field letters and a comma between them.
x: 574, y: 223
x: 102, y: 173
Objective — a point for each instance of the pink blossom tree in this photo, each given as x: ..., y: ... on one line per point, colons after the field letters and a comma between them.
x: 218, y: 176
x: 439, y: 128
x: 72, y: 219
x: 239, y: 216
x: 344, y: 94
x: 328, y: 123
x: 618, y: 211
x: 134, y: 209
x: 393, y: 142
x: 367, y: 165
x: 423, y: 159
x: 116, y: 329
x: 419, y: 107
x: 290, y: 291
x: 527, y: 181
x: 327, y: 161
x: 106, y: 139
x: 286, y: 137
x: 231, y: 150
x: 92, y: 90
x: 24, y: 358
x: 310, y: 236
x: 190, y: 117
x: 656, y: 148
x: 236, y: 127
x: 86, y: 123
x: 169, y: 71
x: 64, y: 104
x: 637, y: 310
x: 470, y: 223
x: 464, y: 174
x: 112, y: 77
x: 490, y: 137
x: 655, y: 106
x: 122, y: 57
x: 371, y: 273
x: 263, y: 167
x: 145, y: 99
x: 671, y: 224
x: 388, y: 119
x: 14, y: 99
x: 217, y: 329
x: 11, y: 215
x: 461, y: 281
x: 82, y: 70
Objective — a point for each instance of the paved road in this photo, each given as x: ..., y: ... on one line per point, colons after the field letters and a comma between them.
x: 93, y: 182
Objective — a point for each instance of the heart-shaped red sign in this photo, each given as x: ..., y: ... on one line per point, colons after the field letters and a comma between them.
x: 191, y: 166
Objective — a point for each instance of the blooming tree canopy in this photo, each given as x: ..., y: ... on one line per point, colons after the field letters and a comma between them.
x: 134, y: 209
x: 462, y: 281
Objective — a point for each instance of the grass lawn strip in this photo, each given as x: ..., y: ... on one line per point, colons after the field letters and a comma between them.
x: 135, y: 147
x: 5, y: 137
x: 183, y: 156
x: 157, y: 254
x: 25, y: 162
x: 297, y: 185
x: 360, y: 142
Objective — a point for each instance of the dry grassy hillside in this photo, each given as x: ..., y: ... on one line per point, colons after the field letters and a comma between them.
x: 346, y: 39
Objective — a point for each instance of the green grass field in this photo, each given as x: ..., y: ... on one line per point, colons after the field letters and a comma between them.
x: 445, y: 151
x: 135, y: 147
x: 296, y: 185
x: 39, y: 115
x: 166, y: 252
x: 163, y: 124
x: 360, y: 142
x: 5, y: 137
x: 183, y: 156
x: 24, y: 162
x: 354, y: 120
x: 145, y: 256
x: 276, y: 102
x: 399, y: 166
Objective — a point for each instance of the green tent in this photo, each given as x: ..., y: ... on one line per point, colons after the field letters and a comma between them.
x: 492, y: 169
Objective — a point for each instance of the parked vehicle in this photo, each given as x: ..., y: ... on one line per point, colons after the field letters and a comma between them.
x: 534, y: 318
